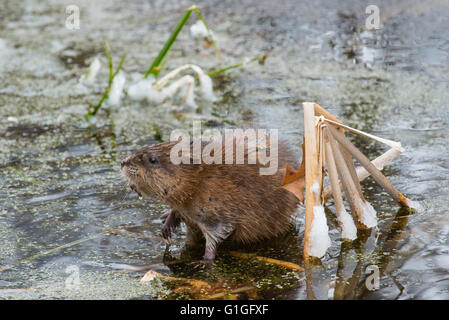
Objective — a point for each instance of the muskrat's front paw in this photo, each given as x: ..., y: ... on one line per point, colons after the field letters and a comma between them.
x: 166, y: 233
x: 167, y: 229
x: 165, y: 216
x: 203, y: 264
x: 170, y: 222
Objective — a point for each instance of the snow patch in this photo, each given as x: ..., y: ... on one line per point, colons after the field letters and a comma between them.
x: 348, y: 228
x: 315, y: 188
x: 187, y: 84
x: 368, y: 217
x: 318, y: 236
x: 199, y: 31
x: 414, y: 205
x: 158, y: 91
x: 143, y: 89
x: 91, y: 74
x: 117, y: 89
x: 206, y: 87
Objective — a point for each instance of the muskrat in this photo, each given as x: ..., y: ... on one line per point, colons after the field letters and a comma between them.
x: 216, y: 201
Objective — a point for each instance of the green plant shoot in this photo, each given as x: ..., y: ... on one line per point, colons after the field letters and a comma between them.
x: 157, y: 65
x: 107, y: 51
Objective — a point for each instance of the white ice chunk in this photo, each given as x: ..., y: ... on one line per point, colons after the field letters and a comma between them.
x: 415, y: 205
x: 139, y: 89
x: 348, y: 228
x: 187, y: 84
x: 91, y: 74
x: 117, y: 89
x: 206, y: 87
x: 368, y: 217
x: 318, y: 236
x: 315, y: 188
x: 143, y: 89
x: 199, y: 31
x: 155, y: 95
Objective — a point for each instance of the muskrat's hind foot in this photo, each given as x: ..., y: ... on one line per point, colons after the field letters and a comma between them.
x: 215, y: 235
x: 202, y: 264
x: 170, y: 222
x: 208, y: 259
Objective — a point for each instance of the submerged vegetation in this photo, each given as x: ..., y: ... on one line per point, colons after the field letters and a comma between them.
x: 152, y: 90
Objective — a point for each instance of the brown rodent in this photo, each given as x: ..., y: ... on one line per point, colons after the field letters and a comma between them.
x: 217, y: 201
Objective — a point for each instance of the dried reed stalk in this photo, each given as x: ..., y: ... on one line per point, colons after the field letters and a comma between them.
x: 335, y: 186
x: 376, y: 174
x: 348, y: 159
x: 349, y: 187
x: 380, y: 162
x: 313, y: 173
x: 325, y: 143
x: 285, y: 264
x: 320, y: 111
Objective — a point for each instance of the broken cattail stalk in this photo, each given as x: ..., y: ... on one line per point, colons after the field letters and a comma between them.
x: 320, y: 111
x: 352, y: 171
x: 352, y: 195
x: 326, y: 144
x: 316, y: 238
x: 390, y: 143
x: 377, y: 175
x: 347, y: 226
x: 311, y: 157
x: 285, y: 264
x: 369, y: 214
x: 151, y: 275
x: 380, y: 162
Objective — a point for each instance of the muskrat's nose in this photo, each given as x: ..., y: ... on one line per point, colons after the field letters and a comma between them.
x: 126, y: 161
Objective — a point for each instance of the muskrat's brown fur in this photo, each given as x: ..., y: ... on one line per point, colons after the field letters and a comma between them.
x: 219, y: 201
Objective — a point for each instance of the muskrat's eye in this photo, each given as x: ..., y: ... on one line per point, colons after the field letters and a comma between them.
x: 153, y: 160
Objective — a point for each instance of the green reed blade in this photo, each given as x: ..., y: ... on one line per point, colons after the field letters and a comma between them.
x: 112, y: 74
x: 156, y: 63
x: 156, y: 66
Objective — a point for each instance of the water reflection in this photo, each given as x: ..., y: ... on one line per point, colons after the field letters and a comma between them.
x: 346, y: 281
x: 355, y: 259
